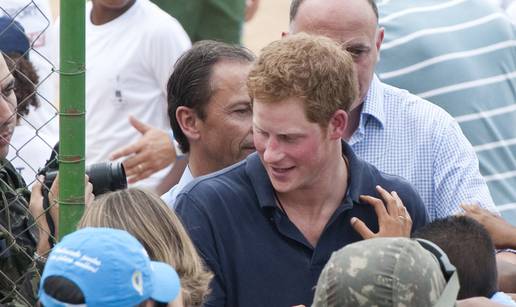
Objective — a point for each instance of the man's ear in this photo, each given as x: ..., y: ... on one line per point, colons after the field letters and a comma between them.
x: 338, y: 124
x: 380, y: 32
x: 188, y: 122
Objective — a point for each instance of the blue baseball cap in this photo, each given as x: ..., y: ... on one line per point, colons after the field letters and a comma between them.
x: 13, y: 38
x: 111, y: 268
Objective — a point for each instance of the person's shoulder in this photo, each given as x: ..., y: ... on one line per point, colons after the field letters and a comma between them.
x: 414, y: 113
x: 408, y: 195
x: 413, y: 110
x: 221, y: 182
x: 219, y: 196
x: 396, y: 183
x: 157, y: 18
x: 163, y: 33
x: 392, y: 182
x: 14, y: 180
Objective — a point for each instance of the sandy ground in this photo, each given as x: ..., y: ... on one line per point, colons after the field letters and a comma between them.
x: 270, y: 20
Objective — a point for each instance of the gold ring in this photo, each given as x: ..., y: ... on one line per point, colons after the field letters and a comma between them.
x: 140, y: 168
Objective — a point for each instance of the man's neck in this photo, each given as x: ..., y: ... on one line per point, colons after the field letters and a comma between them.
x: 353, y: 122
x: 101, y: 15
x: 199, y: 165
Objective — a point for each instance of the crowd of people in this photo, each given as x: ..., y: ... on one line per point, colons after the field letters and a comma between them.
x: 362, y: 159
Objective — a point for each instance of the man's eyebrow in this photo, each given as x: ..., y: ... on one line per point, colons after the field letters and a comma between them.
x: 291, y: 135
x: 238, y: 104
x: 241, y: 103
x: 357, y: 45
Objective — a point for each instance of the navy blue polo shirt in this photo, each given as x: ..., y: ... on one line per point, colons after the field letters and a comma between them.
x: 259, y: 257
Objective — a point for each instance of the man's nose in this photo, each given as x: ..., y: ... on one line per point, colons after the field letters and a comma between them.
x: 273, y: 152
x: 6, y: 112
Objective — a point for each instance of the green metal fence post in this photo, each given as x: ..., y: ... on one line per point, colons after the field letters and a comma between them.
x: 72, y: 114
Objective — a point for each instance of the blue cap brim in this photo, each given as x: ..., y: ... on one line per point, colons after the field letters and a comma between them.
x: 166, y: 284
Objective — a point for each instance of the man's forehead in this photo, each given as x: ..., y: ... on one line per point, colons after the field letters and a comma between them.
x: 321, y: 17
x: 345, y: 39
x: 272, y: 116
x: 227, y: 72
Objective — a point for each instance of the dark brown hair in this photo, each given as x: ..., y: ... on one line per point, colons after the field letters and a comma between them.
x: 190, y: 83
x: 26, y: 80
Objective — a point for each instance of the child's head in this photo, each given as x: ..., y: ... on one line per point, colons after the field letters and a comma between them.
x: 470, y: 248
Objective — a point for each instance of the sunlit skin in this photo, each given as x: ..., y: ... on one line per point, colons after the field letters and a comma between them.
x: 303, y: 161
x: 7, y: 107
x: 295, y: 152
x: 353, y: 24
x: 224, y: 136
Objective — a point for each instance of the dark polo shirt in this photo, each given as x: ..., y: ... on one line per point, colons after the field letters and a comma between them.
x: 259, y: 257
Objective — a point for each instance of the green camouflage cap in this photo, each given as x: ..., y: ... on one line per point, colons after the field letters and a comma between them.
x: 381, y: 272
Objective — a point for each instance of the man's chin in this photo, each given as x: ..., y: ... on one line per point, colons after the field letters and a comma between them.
x: 281, y: 187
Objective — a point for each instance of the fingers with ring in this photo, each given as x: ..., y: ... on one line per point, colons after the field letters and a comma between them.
x: 402, y: 211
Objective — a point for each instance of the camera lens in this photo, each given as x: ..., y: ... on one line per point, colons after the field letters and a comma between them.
x: 107, y: 176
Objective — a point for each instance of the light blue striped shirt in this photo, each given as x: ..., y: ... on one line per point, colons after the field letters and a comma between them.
x: 405, y: 135
x: 461, y: 56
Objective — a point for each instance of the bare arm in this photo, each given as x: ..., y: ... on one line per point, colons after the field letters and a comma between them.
x: 502, y: 233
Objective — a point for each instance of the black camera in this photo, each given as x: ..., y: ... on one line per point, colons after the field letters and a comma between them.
x: 104, y: 176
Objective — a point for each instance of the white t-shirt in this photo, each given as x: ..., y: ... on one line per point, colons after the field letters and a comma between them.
x: 128, y: 63
x: 36, y: 18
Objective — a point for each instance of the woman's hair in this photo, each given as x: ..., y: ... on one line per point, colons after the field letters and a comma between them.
x: 145, y: 216
x: 26, y: 80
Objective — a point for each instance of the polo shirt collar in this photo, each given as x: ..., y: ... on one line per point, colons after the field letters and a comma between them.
x: 265, y: 192
x: 260, y: 181
x: 373, y: 103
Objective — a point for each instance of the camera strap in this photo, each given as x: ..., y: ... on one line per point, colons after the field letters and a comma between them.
x: 52, y: 163
x: 50, y: 221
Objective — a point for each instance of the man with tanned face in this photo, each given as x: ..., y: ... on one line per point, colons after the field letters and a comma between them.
x: 267, y: 225
x: 397, y: 132
x: 210, y: 109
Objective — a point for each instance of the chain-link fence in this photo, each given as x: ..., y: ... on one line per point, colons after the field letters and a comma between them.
x: 28, y: 133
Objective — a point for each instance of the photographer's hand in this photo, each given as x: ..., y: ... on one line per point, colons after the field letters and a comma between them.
x: 89, y: 197
x: 38, y: 212
x: 151, y: 153
x: 393, y: 218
